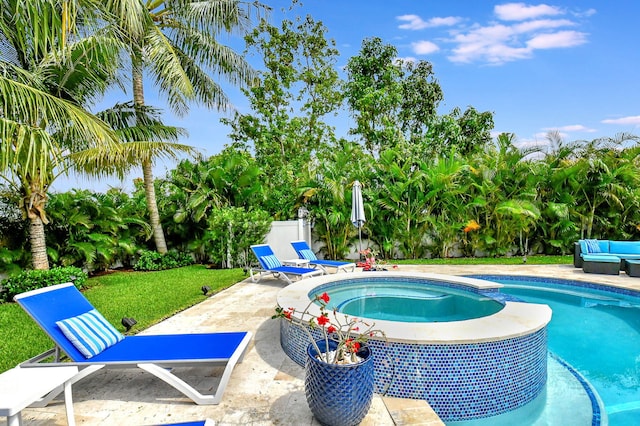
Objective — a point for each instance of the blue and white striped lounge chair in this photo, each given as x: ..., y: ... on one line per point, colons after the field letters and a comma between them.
x: 91, y: 343
x: 271, y: 265
x: 304, y: 252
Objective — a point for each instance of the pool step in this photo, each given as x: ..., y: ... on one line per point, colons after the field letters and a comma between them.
x: 413, y: 412
x: 589, y: 302
x: 622, y: 408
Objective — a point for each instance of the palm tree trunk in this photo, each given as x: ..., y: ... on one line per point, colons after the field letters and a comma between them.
x: 39, y: 257
x: 152, y: 206
x: 149, y: 189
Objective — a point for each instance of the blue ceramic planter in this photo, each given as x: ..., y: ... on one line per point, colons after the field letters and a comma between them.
x: 338, y: 395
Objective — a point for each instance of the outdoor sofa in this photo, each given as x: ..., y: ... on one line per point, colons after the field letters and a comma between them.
x: 605, y: 256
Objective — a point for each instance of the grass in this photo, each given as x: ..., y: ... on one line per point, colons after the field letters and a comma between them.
x: 149, y: 297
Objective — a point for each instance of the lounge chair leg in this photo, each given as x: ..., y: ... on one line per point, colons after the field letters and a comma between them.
x: 253, y: 278
x: 45, y: 400
x: 188, y: 390
x: 68, y: 404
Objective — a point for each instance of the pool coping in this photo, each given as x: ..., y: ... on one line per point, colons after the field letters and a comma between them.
x: 516, y: 319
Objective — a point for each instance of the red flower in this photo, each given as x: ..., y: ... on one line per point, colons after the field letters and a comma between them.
x: 323, y: 319
x: 352, y: 346
x: 287, y: 314
x: 331, y: 329
x: 324, y: 297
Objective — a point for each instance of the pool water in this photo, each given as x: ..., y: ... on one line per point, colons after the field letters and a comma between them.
x: 597, y: 333
x: 411, y: 302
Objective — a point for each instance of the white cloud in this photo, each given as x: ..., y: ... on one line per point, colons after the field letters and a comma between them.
x: 571, y: 128
x: 634, y: 119
x: 541, y: 24
x: 556, y: 40
x: 424, y: 47
x: 521, y: 29
x: 414, y: 22
x: 499, y: 43
x: 493, y: 44
x: 521, y: 11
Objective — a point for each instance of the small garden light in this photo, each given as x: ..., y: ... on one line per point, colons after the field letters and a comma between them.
x: 128, y: 323
x: 205, y: 289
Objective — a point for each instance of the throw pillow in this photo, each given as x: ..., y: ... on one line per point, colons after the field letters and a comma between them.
x: 271, y: 261
x: 308, y: 254
x: 90, y: 333
x: 593, y: 246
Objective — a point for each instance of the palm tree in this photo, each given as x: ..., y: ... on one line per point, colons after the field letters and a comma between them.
x: 45, y: 80
x: 178, y: 48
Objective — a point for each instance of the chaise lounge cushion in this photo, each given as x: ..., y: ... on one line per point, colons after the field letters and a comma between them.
x: 308, y: 254
x: 90, y: 333
x: 271, y: 261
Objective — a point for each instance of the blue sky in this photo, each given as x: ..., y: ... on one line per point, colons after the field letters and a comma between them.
x: 570, y: 66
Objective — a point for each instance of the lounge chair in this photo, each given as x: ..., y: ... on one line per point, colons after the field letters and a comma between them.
x: 61, y: 311
x: 304, y: 252
x: 271, y: 265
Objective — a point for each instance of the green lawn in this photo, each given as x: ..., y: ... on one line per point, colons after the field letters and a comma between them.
x: 149, y: 297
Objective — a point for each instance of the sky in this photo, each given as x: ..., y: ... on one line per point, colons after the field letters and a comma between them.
x: 566, y: 66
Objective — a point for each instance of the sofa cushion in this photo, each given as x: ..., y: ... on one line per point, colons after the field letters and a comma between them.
x: 624, y: 247
x: 605, y: 258
x: 592, y: 246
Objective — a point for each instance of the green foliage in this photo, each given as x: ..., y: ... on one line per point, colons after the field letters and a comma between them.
x: 95, y: 230
x: 154, y: 261
x: 299, y: 88
x: 326, y: 193
x: 35, y: 279
x: 230, y: 234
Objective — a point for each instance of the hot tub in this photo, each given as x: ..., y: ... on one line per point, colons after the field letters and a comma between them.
x: 471, y: 368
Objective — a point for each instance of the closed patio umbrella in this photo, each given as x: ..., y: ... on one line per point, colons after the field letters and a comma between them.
x: 357, y: 209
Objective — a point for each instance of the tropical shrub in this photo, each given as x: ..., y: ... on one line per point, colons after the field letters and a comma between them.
x: 230, y: 234
x: 154, y: 261
x: 35, y: 279
x: 94, y: 230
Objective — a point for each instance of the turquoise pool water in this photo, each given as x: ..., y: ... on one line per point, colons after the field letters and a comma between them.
x: 407, y: 302
x: 596, y: 332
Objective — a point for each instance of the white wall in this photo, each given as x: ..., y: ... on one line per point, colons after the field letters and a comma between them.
x: 283, y: 232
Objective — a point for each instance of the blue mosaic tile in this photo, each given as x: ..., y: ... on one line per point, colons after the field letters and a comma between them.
x: 461, y: 382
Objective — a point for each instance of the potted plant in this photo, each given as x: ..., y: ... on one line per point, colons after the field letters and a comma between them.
x: 370, y: 263
x: 339, y: 366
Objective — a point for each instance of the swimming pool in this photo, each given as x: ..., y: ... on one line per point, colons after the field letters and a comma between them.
x: 596, y: 330
x: 466, y: 369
